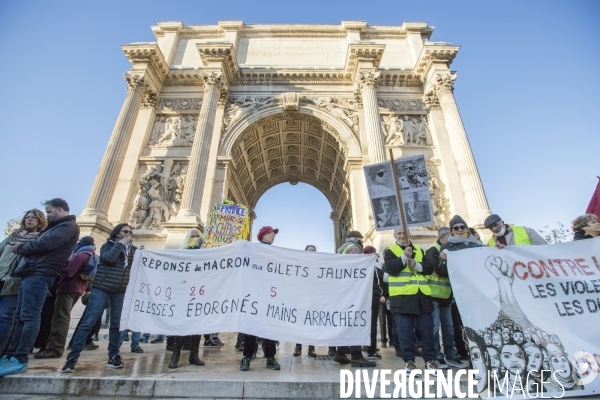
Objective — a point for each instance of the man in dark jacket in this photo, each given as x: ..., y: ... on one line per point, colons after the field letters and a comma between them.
x: 460, y: 239
x: 442, y: 305
x: 47, y: 256
x: 410, y: 299
x: 69, y: 289
x: 110, y: 283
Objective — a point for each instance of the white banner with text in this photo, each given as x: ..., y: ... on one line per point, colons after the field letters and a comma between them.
x: 531, y: 317
x: 271, y: 292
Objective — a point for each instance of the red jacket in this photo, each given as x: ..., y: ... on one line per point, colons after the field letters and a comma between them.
x: 70, y: 282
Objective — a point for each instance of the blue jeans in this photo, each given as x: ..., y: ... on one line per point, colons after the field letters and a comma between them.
x: 405, y: 325
x: 135, y: 338
x: 32, y: 295
x: 97, y: 302
x: 443, y: 315
x: 146, y: 336
x: 8, y: 305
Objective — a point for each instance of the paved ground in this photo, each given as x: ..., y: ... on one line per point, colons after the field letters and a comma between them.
x: 146, y: 375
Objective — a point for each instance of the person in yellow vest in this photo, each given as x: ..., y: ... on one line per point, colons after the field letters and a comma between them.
x: 410, y: 299
x: 441, y: 292
x: 506, y: 235
x: 460, y: 239
x: 352, y: 245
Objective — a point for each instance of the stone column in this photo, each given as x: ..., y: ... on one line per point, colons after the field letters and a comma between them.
x: 367, y: 84
x: 465, y: 163
x: 106, y: 180
x: 196, y: 176
x: 359, y: 197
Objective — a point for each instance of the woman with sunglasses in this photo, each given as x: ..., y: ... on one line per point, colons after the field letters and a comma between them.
x: 109, y: 285
x: 460, y: 238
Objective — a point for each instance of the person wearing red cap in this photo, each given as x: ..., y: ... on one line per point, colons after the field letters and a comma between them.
x: 266, y: 235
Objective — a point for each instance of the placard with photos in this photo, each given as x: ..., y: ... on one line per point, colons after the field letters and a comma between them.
x: 414, y: 186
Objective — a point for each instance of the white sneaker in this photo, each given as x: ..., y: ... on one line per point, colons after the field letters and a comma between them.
x: 456, y: 363
x: 432, y: 366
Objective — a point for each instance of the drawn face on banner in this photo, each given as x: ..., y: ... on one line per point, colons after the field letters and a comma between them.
x: 518, y: 337
x: 480, y: 364
x: 527, y: 336
x: 513, y: 359
x: 536, y: 339
x: 488, y: 339
x: 495, y: 362
x: 559, y: 361
x: 505, y: 335
x: 534, y: 357
x: 497, y: 340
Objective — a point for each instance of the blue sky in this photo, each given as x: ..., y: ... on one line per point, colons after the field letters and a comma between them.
x: 527, y: 90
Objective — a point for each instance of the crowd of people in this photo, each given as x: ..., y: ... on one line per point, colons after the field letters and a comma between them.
x: 46, y: 268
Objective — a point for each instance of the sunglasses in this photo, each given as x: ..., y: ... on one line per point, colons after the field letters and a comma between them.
x: 459, y: 228
x: 127, y: 232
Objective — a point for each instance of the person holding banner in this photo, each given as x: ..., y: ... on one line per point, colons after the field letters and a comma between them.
x: 460, y: 239
x: 110, y: 283
x: 298, y: 348
x: 352, y: 245
x: 266, y: 235
x: 507, y: 235
x: 410, y: 299
x: 586, y: 226
x: 190, y: 241
x: 441, y: 292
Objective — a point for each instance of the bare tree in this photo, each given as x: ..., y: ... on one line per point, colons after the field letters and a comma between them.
x: 12, y: 225
x: 555, y: 235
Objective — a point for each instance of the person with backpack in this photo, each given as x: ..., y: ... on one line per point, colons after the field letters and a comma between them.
x: 110, y: 283
x: 73, y: 283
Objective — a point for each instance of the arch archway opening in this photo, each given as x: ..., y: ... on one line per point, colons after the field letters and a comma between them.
x: 291, y: 147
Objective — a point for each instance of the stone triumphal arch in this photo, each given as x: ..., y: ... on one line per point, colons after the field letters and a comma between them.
x: 230, y: 110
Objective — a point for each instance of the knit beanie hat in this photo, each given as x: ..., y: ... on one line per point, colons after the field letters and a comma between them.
x: 457, y: 219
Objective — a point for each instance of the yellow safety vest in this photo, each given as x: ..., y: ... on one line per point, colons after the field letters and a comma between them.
x: 405, y: 283
x: 440, y: 286
x: 345, y: 251
x: 520, y: 234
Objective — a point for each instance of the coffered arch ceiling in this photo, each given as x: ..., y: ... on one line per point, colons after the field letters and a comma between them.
x: 289, y: 147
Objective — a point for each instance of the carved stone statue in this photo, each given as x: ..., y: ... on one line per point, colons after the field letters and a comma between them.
x: 392, y: 126
x: 159, y: 195
x: 421, y: 131
x: 239, y: 107
x: 408, y: 131
x: 173, y: 131
x: 438, y: 201
x: 340, y: 108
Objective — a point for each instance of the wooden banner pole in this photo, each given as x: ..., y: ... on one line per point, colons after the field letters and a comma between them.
x: 400, y: 204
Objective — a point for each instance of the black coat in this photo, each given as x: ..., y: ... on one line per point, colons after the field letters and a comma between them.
x: 409, y: 304
x: 113, y: 269
x: 51, y: 249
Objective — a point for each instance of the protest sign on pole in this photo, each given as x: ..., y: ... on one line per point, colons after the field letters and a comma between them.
x: 266, y: 291
x: 227, y: 223
x: 531, y: 316
x: 411, y: 177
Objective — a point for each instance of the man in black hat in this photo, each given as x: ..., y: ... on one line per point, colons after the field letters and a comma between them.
x: 352, y: 245
x: 508, y: 235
